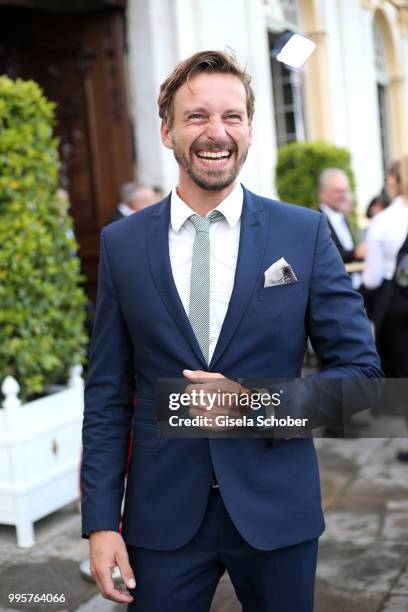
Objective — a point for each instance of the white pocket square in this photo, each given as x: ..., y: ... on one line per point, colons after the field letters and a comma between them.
x: 279, y: 273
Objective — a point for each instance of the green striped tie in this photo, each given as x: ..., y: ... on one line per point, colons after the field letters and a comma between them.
x: 199, y: 308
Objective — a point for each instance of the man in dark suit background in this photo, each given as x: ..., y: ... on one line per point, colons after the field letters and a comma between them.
x: 336, y: 203
x: 183, y: 291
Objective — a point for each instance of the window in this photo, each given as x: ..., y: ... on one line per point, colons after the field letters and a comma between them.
x: 382, y: 82
x: 290, y: 10
x: 288, y: 101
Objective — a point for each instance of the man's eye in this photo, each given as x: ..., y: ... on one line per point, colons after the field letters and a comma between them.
x: 196, y: 116
x: 234, y: 117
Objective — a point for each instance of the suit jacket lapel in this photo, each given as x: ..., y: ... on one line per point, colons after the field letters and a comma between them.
x: 159, y: 259
x: 254, y: 233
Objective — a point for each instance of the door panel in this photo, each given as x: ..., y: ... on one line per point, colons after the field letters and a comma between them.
x: 79, y: 62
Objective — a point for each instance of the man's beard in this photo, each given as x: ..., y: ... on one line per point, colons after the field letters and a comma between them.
x: 210, y: 179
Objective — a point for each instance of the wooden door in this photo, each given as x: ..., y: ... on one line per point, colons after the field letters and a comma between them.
x: 78, y: 59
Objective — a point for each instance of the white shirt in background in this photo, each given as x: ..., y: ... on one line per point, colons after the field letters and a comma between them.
x: 339, y: 224
x: 125, y: 209
x: 224, y: 244
x: 385, y: 237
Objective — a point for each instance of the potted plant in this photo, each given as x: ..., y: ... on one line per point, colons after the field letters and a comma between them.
x: 42, y: 317
x: 299, y: 166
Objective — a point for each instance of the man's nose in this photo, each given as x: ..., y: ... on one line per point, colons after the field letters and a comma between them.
x: 215, y: 129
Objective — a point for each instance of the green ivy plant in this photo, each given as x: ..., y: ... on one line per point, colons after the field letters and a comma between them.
x: 42, y: 302
x: 299, y: 166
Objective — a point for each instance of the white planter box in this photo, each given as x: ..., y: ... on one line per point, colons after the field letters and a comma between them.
x: 40, y: 454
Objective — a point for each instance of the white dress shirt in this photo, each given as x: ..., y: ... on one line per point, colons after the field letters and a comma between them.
x: 224, y: 244
x: 385, y: 237
x: 340, y: 226
x: 342, y: 231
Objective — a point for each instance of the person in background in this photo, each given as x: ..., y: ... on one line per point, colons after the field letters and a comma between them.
x: 389, y: 310
x: 133, y: 198
x: 336, y: 203
x: 375, y: 206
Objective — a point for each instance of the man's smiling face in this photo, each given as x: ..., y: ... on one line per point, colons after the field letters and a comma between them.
x: 210, y: 132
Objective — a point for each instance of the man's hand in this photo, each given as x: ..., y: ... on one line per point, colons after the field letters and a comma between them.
x: 215, y: 384
x: 360, y: 251
x: 107, y: 549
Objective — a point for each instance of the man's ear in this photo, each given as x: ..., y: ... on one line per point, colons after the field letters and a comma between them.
x: 251, y: 134
x: 165, y: 133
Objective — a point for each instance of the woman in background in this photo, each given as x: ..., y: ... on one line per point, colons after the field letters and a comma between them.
x: 376, y: 205
x: 386, y: 235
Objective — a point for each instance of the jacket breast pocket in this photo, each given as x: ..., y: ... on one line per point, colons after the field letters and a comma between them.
x: 280, y: 291
x: 145, y: 434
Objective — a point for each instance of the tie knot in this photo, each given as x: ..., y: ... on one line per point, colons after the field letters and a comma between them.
x: 202, y: 224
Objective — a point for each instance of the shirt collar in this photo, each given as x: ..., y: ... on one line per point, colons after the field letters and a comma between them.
x: 230, y: 207
x: 397, y: 202
x: 332, y: 214
x: 125, y: 209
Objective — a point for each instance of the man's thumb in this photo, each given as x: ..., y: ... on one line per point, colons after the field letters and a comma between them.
x: 129, y: 579
x: 126, y: 572
x: 193, y: 374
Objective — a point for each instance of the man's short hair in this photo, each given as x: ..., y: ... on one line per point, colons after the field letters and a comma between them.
x: 223, y: 62
x: 128, y: 192
x: 326, y: 175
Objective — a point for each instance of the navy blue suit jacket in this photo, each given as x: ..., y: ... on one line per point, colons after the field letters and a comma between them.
x: 142, y: 333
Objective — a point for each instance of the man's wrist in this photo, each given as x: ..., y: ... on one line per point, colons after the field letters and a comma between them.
x: 244, y: 392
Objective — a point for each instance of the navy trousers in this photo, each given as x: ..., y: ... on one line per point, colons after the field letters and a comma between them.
x: 184, y: 580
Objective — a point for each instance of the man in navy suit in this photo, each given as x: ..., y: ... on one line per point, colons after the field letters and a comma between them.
x: 196, y: 507
x: 336, y: 203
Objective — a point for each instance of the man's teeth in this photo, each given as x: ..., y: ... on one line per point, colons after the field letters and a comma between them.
x: 211, y: 155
